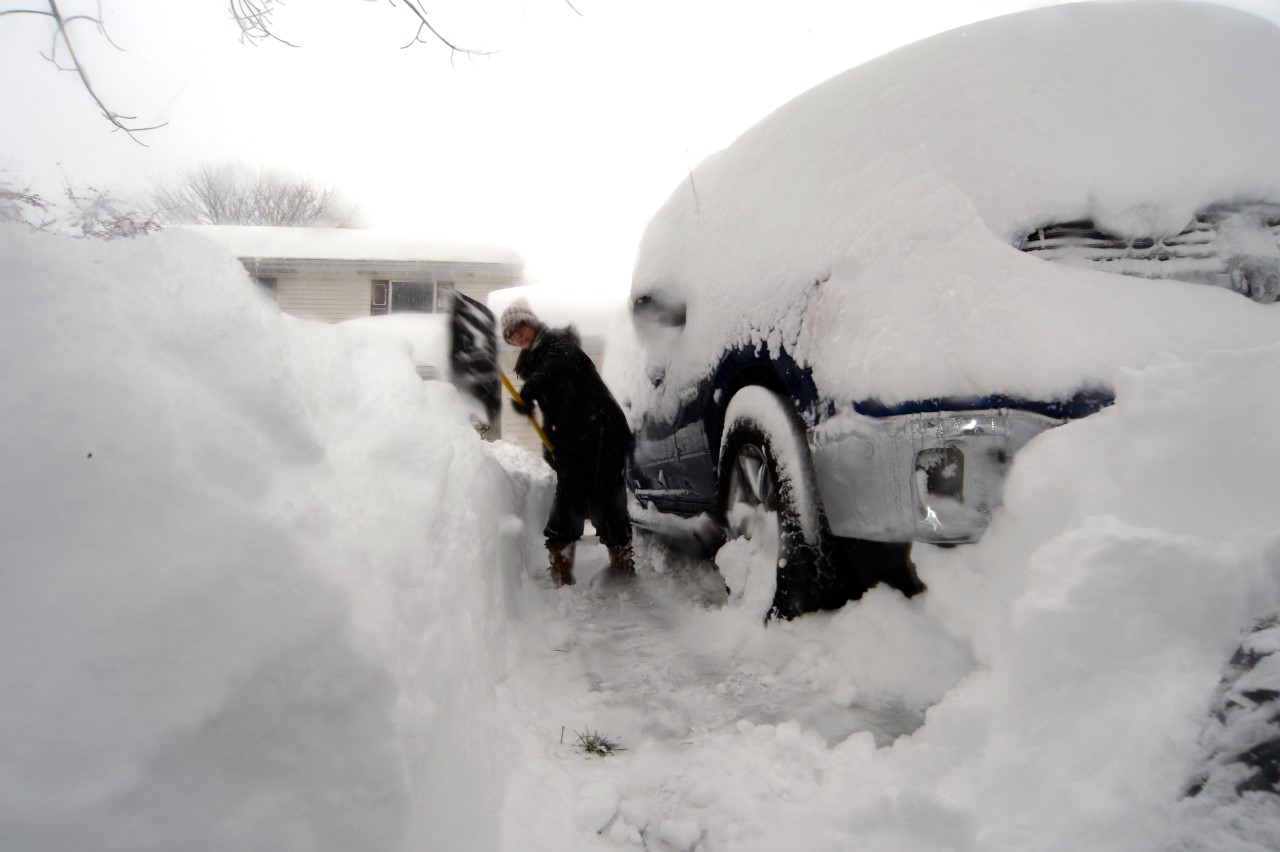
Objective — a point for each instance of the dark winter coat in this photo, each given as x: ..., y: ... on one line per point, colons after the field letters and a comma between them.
x: 588, y: 431
x: 579, y: 414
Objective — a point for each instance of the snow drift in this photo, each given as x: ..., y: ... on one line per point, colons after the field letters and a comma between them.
x: 257, y: 580
x: 252, y: 596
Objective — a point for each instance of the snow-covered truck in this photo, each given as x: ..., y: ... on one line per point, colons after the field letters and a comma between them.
x: 851, y: 320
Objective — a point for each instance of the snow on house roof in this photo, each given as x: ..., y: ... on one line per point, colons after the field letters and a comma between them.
x: 349, y: 244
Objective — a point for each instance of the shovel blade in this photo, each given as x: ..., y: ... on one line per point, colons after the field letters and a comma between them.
x: 473, y: 354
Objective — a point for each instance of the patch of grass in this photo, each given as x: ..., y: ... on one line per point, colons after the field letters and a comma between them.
x: 593, y: 742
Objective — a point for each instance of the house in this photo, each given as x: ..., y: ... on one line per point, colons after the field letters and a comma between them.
x: 345, y: 275
x: 337, y: 274
x: 352, y: 276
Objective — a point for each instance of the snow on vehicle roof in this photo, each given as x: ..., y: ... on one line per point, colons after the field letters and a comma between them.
x: 348, y: 244
x: 869, y: 225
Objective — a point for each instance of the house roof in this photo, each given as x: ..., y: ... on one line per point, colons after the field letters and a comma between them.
x: 349, y: 244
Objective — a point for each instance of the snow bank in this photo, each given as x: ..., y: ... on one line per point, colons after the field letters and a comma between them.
x: 1101, y: 608
x: 868, y: 224
x: 427, y: 336
x: 252, y: 597
x: 1052, y: 689
x: 1103, y: 604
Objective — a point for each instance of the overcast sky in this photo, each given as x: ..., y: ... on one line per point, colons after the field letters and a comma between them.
x: 560, y: 143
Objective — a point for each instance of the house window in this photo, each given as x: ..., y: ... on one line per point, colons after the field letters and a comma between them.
x: 268, y: 285
x: 425, y: 297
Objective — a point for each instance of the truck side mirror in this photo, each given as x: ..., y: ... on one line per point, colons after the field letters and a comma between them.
x: 658, y: 309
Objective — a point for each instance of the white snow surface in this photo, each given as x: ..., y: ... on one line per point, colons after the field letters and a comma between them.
x: 902, y: 186
x: 235, y: 548
x: 261, y: 588
x: 427, y: 336
x: 265, y: 589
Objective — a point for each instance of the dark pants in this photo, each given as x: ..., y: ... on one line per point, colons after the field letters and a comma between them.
x: 589, y: 485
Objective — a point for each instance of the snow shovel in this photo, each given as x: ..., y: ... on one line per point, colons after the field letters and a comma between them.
x: 473, y: 359
x: 473, y: 353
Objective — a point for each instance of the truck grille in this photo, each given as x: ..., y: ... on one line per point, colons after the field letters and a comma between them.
x: 1231, y: 246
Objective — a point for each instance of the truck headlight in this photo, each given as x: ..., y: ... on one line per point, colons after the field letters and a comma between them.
x: 941, y: 471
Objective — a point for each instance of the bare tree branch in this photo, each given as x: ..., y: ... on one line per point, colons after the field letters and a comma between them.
x: 415, y: 6
x: 254, y: 20
x: 253, y: 17
x: 234, y: 195
x: 62, y: 39
x: 22, y: 204
x: 99, y: 214
x: 88, y: 212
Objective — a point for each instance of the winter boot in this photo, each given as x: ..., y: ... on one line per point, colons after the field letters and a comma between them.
x: 622, y: 564
x: 561, y: 564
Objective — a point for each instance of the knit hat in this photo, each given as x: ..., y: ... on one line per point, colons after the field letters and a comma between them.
x: 518, y: 313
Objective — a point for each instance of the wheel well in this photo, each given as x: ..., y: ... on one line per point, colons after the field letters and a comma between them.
x: 826, y: 571
x: 752, y: 375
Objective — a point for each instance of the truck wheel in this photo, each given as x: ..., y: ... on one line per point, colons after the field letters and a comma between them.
x: 1242, y: 736
x: 766, y: 496
x: 858, y: 565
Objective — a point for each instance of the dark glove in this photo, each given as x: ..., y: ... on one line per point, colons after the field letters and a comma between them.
x: 523, y: 408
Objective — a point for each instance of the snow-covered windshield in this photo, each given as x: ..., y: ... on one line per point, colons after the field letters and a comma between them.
x: 870, y: 225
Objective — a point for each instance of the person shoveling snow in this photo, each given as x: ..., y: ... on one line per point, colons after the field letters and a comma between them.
x: 587, y: 440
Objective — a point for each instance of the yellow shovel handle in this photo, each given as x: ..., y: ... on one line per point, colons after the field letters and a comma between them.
x: 546, y: 442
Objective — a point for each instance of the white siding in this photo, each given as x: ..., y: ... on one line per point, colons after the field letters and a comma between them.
x: 325, y: 298
x: 334, y: 298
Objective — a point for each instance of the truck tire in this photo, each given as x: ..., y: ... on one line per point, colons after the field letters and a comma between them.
x: 764, y: 477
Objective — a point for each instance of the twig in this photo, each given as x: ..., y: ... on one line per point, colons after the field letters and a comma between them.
x: 112, y: 116
x: 415, y: 6
x: 254, y: 20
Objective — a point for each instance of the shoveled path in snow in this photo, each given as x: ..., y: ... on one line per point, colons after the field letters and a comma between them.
x: 662, y: 668
x: 641, y: 647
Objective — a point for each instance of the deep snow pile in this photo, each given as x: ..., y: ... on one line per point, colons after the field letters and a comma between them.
x: 252, y: 581
x: 1052, y: 690
x: 1138, y: 544
x: 427, y: 336
x: 868, y: 225
x: 261, y: 591
x: 260, y: 587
